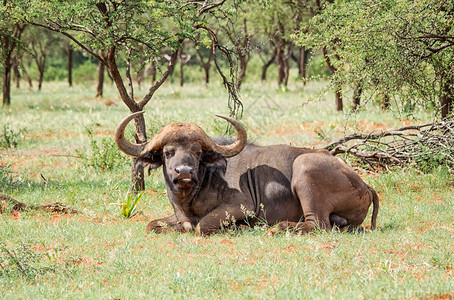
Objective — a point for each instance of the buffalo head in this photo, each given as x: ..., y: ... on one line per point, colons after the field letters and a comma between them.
x: 180, y: 149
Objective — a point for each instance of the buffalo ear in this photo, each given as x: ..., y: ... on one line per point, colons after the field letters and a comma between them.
x: 214, y: 159
x: 151, y: 160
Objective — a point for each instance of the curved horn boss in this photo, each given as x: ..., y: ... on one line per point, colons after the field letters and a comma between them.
x: 176, y: 131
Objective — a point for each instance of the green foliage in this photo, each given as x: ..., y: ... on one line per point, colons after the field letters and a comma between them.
x: 429, y: 160
x: 9, y: 138
x: 22, y: 261
x: 127, y: 26
x: 129, y: 206
x: 6, y: 176
x: 397, y: 48
x: 103, y: 154
x: 85, y: 72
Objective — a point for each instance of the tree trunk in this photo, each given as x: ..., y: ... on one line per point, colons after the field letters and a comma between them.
x: 447, y: 96
x: 182, y: 59
x: 357, y: 96
x: 280, y: 64
x: 339, y: 101
x: 303, y: 64
x: 266, y: 66
x: 338, y: 88
x: 140, y: 136
x: 152, y: 72
x: 40, y: 77
x: 206, y: 68
x: 242, y: 70
x: 69, y: 51
x: 27, y: 77
x: 287, y: 64
x: 100, y: 85
x: 385, y: 102
x: 6, y: 86
x: 15, y: 67
x: 8, y: 47
x: 181, y: 74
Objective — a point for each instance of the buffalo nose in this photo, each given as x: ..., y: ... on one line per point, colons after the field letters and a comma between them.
x: 183, y: 170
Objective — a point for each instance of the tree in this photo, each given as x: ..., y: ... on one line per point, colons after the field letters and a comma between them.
x: 183, y: 58
x: 39, y: 44
x: 69, y: 53
x: 235, y: 28
x: 125, y: 31
x: 205, y: 64
x: 101, y: 67
x: 276, y: 21
x: 402, y: 50
x: 11, y: 30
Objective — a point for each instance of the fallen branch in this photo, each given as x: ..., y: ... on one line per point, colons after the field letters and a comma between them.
x: 56, y: 207
x: 428, y: 142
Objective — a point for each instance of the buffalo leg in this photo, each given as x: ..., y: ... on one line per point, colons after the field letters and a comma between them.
x: 306, y: 186
x: 220, y: 217
x: 167, y: 224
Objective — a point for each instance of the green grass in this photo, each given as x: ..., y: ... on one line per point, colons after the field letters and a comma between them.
x: 99, y: 254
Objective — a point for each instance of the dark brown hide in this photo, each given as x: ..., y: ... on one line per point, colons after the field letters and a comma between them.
x: 300, y: 187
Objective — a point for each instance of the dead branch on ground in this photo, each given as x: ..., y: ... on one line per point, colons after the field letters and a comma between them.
x: 430, y: 142
x: 56, y: 207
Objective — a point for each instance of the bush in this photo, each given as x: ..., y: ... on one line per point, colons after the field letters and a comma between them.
x: 9, y: 138
x: 23, y: 261
x: 6, y: 176
x: 55, y: 73
x: 104, y: 155
x: 85, y: 72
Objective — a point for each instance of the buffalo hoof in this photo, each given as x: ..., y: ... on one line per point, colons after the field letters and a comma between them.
x: 187, y: 226
x: 291, y: 227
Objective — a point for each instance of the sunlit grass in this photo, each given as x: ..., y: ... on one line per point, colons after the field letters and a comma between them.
x: 99, y: 254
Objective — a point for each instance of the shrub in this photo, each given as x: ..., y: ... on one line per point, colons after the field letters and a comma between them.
x: 9, y: 138
x: 6, y: 176
x: 103, y: 155
x: 22, y: 261
x: 85, y: 72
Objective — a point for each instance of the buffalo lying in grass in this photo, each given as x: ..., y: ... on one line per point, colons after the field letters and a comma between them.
x: 212, y: 185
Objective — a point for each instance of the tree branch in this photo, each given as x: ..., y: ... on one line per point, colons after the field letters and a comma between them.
x: 72, y: 38
x: 160, y: 81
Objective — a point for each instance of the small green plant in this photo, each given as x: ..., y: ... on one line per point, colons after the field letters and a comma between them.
x: 6, y: 176
x: 104, y: 155
x: 129, y: 207
x: 9, y: 138
x: 22, y: 261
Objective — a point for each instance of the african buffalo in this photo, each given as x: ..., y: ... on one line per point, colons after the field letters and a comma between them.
x: 213, y: 184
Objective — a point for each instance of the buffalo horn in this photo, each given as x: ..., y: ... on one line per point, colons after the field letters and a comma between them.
x: 122, y: 143
x: 238, y: 145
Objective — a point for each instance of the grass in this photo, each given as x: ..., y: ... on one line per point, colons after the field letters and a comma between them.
x: 102, y: 255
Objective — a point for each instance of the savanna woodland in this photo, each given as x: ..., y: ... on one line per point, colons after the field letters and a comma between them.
x: 370, y: 81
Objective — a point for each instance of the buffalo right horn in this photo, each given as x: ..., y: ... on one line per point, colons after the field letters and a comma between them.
x: 122, y: 143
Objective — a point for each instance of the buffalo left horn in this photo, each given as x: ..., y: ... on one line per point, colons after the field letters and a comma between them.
x: 238, y: 145
x: 122, y: 143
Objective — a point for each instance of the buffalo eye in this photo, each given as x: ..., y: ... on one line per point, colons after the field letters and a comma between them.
x: 169, y: 153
